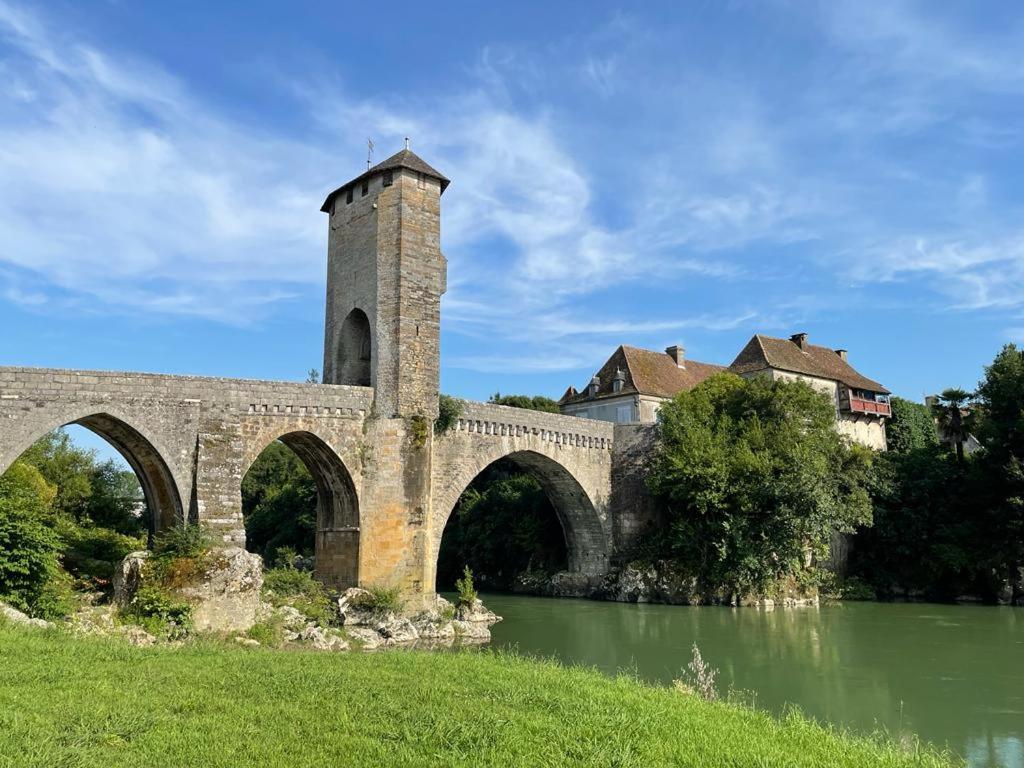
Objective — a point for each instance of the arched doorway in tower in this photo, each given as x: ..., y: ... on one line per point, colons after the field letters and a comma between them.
x: 354, y: 351
x: 301, y: 509
x: 98, y: 489
x: 520, y: 520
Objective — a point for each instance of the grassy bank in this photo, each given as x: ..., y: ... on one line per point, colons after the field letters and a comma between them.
x: 80, y: 702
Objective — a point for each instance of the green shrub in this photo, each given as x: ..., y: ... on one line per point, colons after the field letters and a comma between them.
x: 92, y: 553
x: 380, y: 600
x: 465, y: 588
x: 28, y: 546
x: 448, y: 411
x: 159, y: 612
x: 183, y: 540
x: 290, y: 586
x: 269, y: 633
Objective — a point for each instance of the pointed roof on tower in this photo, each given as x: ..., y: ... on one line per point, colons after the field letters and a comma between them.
x: 406, y: 158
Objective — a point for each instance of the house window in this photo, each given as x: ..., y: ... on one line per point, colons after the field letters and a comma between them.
x: 348, y: 195
x: 389, y: 178
x: 365, y: 188
x: 624, y: 414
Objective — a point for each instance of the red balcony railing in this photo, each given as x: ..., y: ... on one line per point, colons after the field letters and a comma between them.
x: 860, y: 405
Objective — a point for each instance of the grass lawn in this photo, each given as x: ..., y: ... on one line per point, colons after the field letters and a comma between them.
x: 67, y: 702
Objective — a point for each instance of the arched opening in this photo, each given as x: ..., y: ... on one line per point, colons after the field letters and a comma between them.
x: 355, y: 350
x: 298, y: 499
x: 521, y: 519
x: 100, y: 489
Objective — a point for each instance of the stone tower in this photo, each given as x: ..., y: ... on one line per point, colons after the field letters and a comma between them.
x: 385, y: 277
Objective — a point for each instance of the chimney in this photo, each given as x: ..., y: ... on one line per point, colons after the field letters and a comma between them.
x: 842, y: 354
x: 678, y: 355
x: 800, y: 339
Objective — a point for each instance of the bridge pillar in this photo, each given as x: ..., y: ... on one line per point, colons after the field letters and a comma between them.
x: 395, y: 507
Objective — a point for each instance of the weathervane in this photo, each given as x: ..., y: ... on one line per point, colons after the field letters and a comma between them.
x: 369, y: 152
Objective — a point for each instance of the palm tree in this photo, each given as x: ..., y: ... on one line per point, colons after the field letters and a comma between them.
x: 954, y: 424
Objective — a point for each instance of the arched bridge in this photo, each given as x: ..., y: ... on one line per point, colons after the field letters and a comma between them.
x: 384, y: 491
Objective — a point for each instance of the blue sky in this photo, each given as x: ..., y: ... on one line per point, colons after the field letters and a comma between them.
x: 647, y: 174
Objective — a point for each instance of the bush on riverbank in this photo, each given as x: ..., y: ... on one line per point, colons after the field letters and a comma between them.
x: 74, y: 701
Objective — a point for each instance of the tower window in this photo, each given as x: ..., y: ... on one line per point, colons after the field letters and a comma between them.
x: 389, y: 178
x: 365, y: 188
x: 348, y: 195
x: 421, y: 180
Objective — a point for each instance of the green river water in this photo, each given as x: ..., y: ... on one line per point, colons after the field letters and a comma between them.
x: 952, y: 674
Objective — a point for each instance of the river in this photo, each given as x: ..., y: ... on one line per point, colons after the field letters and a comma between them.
x: 952, y: 674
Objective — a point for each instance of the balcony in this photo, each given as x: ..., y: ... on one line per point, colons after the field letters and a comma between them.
x: 868, y: 406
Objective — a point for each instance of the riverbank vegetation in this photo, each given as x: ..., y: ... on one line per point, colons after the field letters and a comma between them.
x: 91, y: 702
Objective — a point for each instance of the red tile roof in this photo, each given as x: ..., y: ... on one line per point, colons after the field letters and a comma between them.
x: 764, y: 352
x: 646, y: 372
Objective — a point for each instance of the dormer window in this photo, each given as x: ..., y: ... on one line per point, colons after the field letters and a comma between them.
x: 365, y: 188
x: 389, y: 178
x: 595, y: 384
x: 348, y: 195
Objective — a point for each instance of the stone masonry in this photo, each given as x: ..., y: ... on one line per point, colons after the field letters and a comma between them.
x: 386, y: 484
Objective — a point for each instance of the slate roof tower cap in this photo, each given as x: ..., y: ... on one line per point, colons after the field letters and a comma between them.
x: 406, y: 158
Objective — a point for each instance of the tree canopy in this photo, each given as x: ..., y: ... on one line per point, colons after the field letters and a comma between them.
x: 754, y: 480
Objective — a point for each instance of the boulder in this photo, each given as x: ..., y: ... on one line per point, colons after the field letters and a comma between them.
x: 15, y: 616
x: 476, y: 613
x: 321, y: 639
x: 368, y: 639
x: 398, y: 631
x: 225, y: 596
x: 128, y: 578
x: 352, y: 615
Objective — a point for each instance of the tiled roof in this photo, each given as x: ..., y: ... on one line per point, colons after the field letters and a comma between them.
x: 404, y: 159
x: 784, y: 354
x: 646, y: 372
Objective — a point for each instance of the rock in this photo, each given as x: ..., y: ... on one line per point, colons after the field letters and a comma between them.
x: 398, y: 631
x: 321, y: 639
x: 471, y: 631
x: 94, y: 620
x: 128, y: 577
x: 227, y: 598
x: 434, y: 629
x: 352, y: 615
x: 15, y: 616
x: 248, y: 642
x: 136, y: 635
x: 476, y: 613
x: 291, y: 618
x: 368, y: 639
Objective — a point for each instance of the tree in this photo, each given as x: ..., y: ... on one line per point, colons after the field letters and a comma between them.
x: 1001, y: 430
x: 754, y: 479
x: 949, y: 409
x: 28, y: 546
x: 504, y: 525
x: 534, y: 403
x: 911, y: 427
x: 279, y: 503
x: 313, y: 376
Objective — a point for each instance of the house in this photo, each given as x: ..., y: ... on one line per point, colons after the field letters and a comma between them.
x: 862, y: 404
x: 634, y: 382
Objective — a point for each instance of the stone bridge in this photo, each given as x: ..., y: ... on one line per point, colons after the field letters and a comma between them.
x: 386, y: 483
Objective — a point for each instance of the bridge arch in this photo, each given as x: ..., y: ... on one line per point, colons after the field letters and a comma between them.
x: 585, y: 539
x: 163, y: 499
x: 337, y: 507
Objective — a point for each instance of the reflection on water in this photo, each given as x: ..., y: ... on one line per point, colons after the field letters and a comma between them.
x: 954, y: 675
